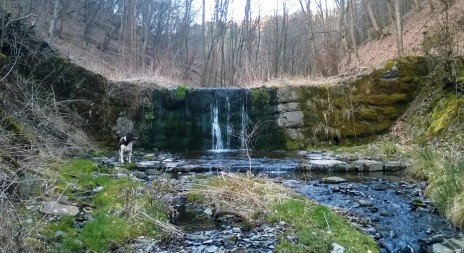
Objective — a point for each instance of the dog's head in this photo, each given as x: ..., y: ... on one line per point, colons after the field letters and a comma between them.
x: 125, y: 140
x: 131, y: 137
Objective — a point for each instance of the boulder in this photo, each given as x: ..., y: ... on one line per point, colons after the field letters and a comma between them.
x: 367, y: 165
x: 328, y: 165
x: 55, y: 208
x: 337, y: 248
x: 438, y: 248
x: 288, y: 107
x: 287, y: 95
x: 291, y: 119
x: 333, y: 180
x: 395, y: 166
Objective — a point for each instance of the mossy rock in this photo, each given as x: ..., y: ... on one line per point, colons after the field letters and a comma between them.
x: 445, y: 113
x: 367, y: 114
x: 382, y: 99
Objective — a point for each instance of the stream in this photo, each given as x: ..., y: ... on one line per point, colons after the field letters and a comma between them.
x: 386, y: 205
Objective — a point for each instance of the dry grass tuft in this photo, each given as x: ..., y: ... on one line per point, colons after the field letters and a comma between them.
x: 455, y: 211
x: 250, y: 197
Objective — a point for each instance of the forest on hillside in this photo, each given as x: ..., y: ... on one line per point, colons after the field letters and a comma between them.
x: 182, y: 40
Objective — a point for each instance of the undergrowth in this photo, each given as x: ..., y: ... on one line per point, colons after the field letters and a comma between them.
x: 445, y: 182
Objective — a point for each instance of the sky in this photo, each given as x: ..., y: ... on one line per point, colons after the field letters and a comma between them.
x: 265, y: 7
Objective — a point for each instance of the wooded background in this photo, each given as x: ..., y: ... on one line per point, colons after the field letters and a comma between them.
x: 176, y: 39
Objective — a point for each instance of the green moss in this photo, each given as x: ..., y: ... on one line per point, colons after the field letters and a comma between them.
x: 181, y: 92
x: 381, y: 99
x: 260, y: 96
x: 2, y: 59
x: 317, y: 227
x: 192, y: 197
x: 367, y: 114
x: 294, y: 145
x: 149, y: 117
x: 445, y: 113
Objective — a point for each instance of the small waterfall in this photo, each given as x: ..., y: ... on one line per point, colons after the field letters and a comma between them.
x: 243, y: 125
x: 216, y: 130
x: 229, y: 126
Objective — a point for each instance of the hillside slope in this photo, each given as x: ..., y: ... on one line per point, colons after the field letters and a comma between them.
x: 416, y: 26
x: 108, y: 63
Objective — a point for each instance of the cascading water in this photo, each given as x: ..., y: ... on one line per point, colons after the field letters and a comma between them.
x: 229, y: 126
x: 216, y: 130
x: 243, y: 125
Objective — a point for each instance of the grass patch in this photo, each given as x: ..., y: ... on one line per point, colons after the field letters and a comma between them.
x: 260, y: 200
x: 119, y: 210
x: 425, y: 163
x: 445, y: 183
x: 249, y: 197
x: 317, y: 227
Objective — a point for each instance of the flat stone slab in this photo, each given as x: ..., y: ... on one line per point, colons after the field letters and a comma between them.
x: 194, y: 168
x: 148, y: 164
x: 333, y: 180
x: 328, y: 165
x: 367, y: 165
x: 55, y: 208
x: 395, y: 166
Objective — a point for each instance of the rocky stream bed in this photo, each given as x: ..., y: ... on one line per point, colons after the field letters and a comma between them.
x: 381, y: 203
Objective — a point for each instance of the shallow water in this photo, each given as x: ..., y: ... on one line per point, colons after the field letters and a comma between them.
x: 382, y: 200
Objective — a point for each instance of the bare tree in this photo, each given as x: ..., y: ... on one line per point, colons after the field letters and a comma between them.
x: 375, y: 24
x: 399, y: 28
x: 56, y: 9
x: 311, y: 44
x: 354, y: 42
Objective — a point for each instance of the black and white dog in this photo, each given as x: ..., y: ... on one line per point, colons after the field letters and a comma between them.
x: 125, y: 146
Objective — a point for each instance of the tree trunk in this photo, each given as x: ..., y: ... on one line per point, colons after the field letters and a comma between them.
x: 343, y: 32
x: 147, y: 24
x: 417, y: 4
x: 432, y: 8
x: 56, y: 9
x: 391, y: 11
x: 352, y: 34
x: 311, y: 44
x: 399, y: 28
x: 203, y: 43
x: 375, y: 24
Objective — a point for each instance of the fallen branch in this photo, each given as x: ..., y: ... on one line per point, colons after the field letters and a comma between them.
x: 18, y: 19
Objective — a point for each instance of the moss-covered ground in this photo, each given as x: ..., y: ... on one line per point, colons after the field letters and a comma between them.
x: 117, y: 210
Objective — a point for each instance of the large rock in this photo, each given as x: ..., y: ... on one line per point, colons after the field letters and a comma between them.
x: 333, y: 180
x: 337, y: 248
x: 327, y: 165
x: 395, y: 166
x: 367, y: 165
x: 287, y: 95
x: 288, y: 107
x: 295, y: 133
x: 438, y: 248
x: 55, y: 208
x: 291, y: 119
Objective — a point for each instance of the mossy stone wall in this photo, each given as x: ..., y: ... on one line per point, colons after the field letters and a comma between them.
x: 354, y: 110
